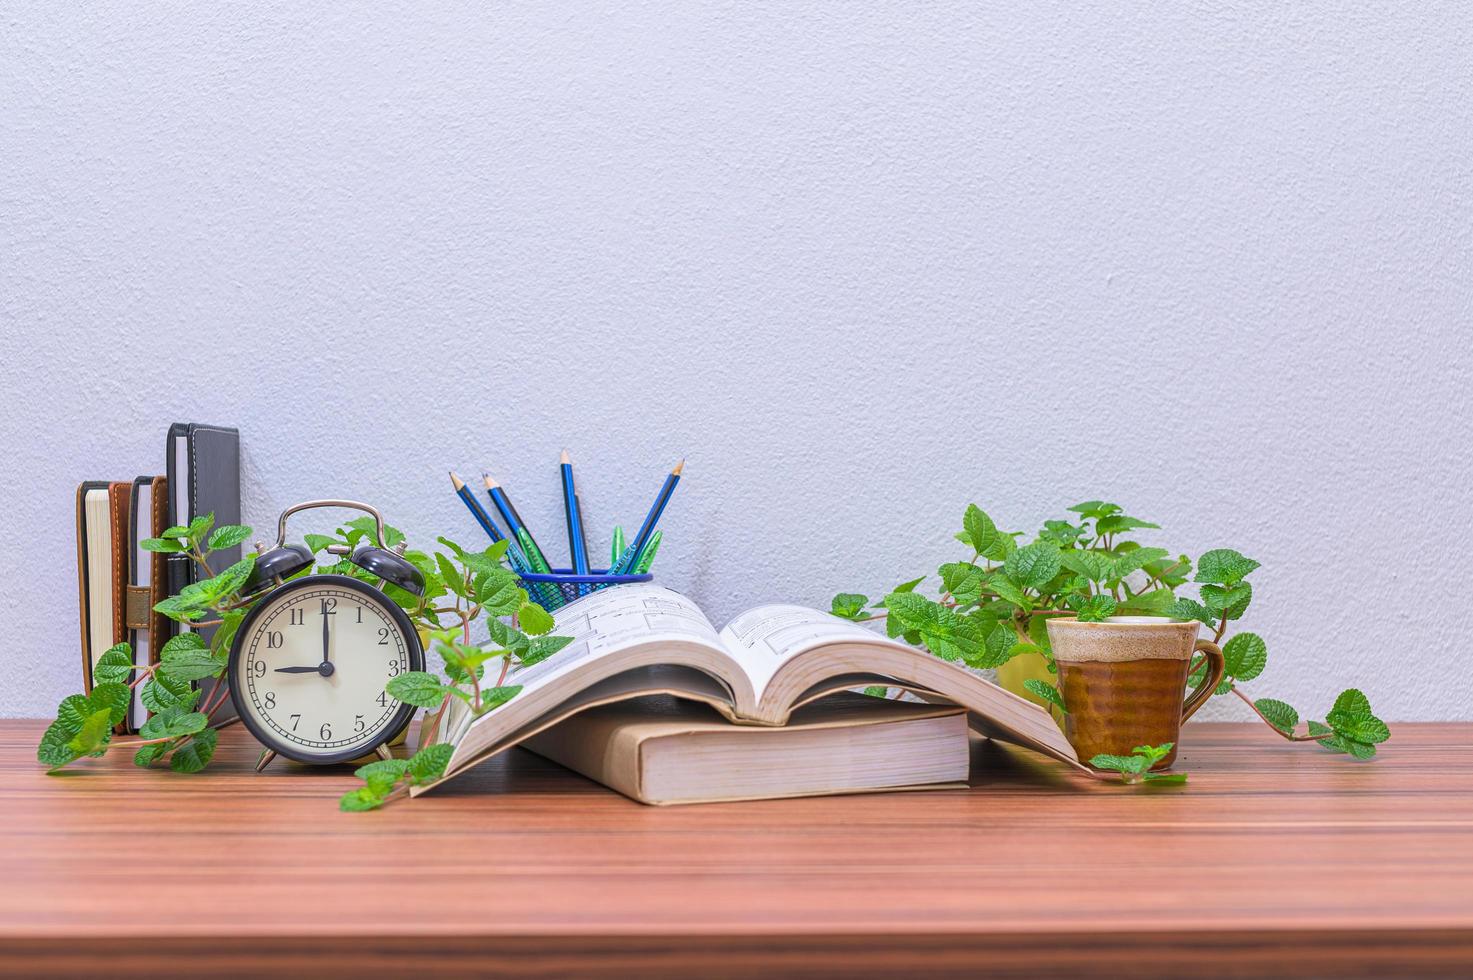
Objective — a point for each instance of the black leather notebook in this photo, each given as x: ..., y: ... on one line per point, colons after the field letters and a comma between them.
x: 204, y: 478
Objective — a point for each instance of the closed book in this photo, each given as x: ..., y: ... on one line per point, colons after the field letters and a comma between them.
x: 663, y: 750
x: 203, y: 470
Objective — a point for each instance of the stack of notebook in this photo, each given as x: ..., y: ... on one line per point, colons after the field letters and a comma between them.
x: 655, y: 702
x: 118, y: 582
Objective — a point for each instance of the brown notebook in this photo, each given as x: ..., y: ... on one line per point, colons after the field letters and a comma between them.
x: 662, y: 750
x: 118, y: 582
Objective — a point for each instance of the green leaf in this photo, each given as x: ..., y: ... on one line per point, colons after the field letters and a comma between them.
x: 165, y: 545
x: 1038, y: 633
x: 1047, y: 691
x: 227, y: 536
x: 909, y: 586
x: 848, y: 605
x: 228, y: 582
x: 317, y: 542
x: 382, y: 776
x: 1095, y: 608
x: 1352, y: 719
x: 1246, y: 655
x: 196, y: 753
x: 1094, y: 509
x: 541, y: 648
x: 1153, y: 753
x: 190, y: 665
x: 1033, y: 567
x: 495, y: 697
x: 997, y: 648
x: 147, y: 755
x: 181, y: 643
x: 964, y: 581
x: 1155, y: 603
x: 1062, y: 533
x: 417, y: 688
x: 112, y: 697
x: 177, y: 531
x: 1005, y: 589
x: 533, y: 619
x: 115, y: 665
x: 162, y: 692
x: 979, y: 529
x: 94, y: 734
x: 1280, y: 715
x: 877, y: 691
x: 429, y: 763
x: 1219, y: 598
x: 392, y: 767
x: 72, y: 711
x: 1134, y: 560
x: 1224, y: 566
x: 360, y: 799
x: 1186, y: 609
x: 1164, y: 778
x: 1097, y: 566
x: 1132, y: 764
x: 1115, y: 523
x: 172, y: 722
x: 53, y: 751
x: 199, y: 528
x: 454, y: 579
x: 501, y: 595
x: 179, y: 609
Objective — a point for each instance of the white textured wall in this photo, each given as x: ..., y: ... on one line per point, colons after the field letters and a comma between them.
x: 861, y: 263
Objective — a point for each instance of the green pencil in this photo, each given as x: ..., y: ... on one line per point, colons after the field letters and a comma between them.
x: 618, y: 546
x: 647, y: 556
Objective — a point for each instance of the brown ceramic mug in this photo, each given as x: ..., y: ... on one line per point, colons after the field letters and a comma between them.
x: 1123, y: 679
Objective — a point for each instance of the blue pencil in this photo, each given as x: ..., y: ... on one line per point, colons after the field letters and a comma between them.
x: 548, y: 595
x: 513, y: 553
x: 631, y: 554
x: 576, y: 546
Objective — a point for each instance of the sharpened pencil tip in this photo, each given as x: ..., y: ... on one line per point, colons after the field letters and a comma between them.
x: 457, y: 481
x: 491, y: 483
x: 678, y: 467
x: 565, y: 459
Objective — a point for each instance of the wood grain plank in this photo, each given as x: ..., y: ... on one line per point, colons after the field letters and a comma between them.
x: 1272, y: 850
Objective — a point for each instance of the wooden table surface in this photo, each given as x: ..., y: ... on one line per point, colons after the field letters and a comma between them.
x: 1274, y: 859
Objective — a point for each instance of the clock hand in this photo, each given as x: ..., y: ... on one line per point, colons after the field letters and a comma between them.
x: 325, y: 622
x: 298, y: 670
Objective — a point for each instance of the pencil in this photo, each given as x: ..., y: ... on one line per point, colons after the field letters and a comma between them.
x: 647, y: 557
x: 514, y: 523
x: 549, y: 599
x: 631, y: 554
x: 617, y: 548
x: 482, y: 518
x: 575, y: 521
x: 582, y: 535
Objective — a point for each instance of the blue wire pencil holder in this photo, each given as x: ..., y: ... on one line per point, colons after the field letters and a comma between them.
x: 567, y: 581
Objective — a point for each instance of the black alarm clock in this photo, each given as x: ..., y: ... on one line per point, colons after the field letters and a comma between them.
x: 310, y: 660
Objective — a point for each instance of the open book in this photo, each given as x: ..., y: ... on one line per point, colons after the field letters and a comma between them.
x: 642, y: 639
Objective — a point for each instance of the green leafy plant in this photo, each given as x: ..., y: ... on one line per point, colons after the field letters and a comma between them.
x: 461, y: 587
x: 180, y: 729
x: 1224, y: 596
x: 995, y: 605
x: 1136, y: 767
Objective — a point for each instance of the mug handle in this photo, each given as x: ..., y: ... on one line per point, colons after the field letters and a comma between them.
x: 1215, y: 667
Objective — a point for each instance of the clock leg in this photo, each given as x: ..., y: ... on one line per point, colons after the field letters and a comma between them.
x: 266, y: 756
x: 384, y: 752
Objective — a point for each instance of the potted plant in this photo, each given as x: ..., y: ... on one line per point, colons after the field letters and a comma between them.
x: 991, y: 611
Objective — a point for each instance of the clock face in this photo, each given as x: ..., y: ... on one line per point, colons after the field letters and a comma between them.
x: 310, y: 663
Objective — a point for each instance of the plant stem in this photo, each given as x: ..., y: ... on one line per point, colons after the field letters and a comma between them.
x: 1287, y: 735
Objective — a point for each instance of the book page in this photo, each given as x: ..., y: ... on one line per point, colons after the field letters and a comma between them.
x: 605, y: 626
x: 763, y: 639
